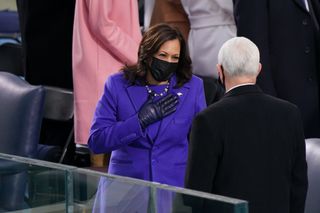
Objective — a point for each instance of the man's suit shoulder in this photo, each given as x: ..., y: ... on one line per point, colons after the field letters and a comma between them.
x: 225, y: 104
x: 277, y: 102
x: 217, y: 108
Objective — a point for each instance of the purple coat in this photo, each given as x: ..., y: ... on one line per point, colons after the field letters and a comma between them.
x: 116, y: 129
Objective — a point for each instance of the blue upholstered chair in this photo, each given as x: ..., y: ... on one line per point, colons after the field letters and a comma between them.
x: 313, y: 159
x: 10, y: 43
x: 9, y: 27
x: 21, y: 112
x: 9, y: 22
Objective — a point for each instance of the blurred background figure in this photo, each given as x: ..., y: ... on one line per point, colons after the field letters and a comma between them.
x: 46, y: 30
x: 171, y: 12
x: 105, y: 38
x: 211, y: 24
x: 287, y: 34
x: 147, y: 12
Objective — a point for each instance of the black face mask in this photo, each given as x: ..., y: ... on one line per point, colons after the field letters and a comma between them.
x: 162, y: 70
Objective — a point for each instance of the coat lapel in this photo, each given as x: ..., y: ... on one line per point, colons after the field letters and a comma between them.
x: 137, y: 100
x: 182, y: 92
x: 134, y: 93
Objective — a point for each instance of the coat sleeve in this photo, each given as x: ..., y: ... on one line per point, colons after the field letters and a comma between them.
x: 204, y: 152
x: 114, y: 39
x: 107, y: 133
x: 252, y: 21
x: 299, y: 178
x: 201, y: 101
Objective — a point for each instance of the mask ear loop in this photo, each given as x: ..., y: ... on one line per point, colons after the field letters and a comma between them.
x: 221, y: 80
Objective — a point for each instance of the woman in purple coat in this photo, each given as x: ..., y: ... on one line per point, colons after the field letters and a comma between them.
x: 146, y: 111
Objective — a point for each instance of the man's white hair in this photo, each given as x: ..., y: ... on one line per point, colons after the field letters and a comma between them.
x: 239, y: 57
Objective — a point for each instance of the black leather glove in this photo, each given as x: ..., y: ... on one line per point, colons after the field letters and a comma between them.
x: 151, y: 112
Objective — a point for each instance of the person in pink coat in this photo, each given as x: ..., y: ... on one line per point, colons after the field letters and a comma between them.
x: 106, y: 36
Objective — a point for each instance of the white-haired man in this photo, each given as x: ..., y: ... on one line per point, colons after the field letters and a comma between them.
x: 249, y: 145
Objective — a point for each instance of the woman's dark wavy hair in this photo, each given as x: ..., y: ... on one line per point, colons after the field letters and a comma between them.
x: 149, y: 45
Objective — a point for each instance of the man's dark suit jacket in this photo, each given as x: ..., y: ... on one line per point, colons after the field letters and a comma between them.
x: 46, y: 31
x: 250, y: 146
x: 286, y: 36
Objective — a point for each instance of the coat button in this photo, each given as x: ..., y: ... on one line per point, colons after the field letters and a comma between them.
x: 310, y: 78
x: 305, y: 22
x: 153, y: 161
x: 307, y: 50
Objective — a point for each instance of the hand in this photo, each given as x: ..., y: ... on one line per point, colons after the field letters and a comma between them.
x: 151, y: 112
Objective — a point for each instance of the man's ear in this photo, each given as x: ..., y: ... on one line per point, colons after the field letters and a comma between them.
x: 260, y: 68
x: 220, y: 70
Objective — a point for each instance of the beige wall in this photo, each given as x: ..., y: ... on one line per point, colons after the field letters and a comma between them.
x: 8, y: 4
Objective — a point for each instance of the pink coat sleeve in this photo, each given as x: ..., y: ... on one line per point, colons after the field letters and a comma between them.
x: 109, y: 33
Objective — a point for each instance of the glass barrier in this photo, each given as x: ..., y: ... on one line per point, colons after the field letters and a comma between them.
x: 51, y: 187
x: 34, y: 185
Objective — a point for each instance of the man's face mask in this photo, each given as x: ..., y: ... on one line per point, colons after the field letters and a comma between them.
x: 162, y: 70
